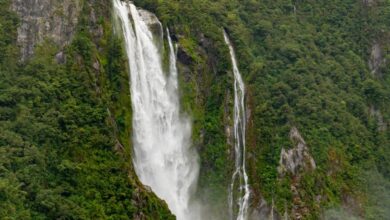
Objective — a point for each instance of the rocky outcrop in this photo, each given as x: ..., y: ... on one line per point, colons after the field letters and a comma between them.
x: 45, y: 19
x: 376, y: 113
x: 152, y: 21
x: 296, y: 162
x: 297, y: 158
x: 376, y: 59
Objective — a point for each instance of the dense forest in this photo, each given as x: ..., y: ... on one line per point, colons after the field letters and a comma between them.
x: 317, y: 68
x: 60, y: 153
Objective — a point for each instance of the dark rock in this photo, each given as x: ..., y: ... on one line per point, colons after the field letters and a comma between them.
x: 183, y: 57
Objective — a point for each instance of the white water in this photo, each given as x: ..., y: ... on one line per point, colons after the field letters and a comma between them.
x: 163, y: 158
x: 239, y: 176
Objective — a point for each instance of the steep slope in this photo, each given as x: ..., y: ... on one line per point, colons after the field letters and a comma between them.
x: 64, y: 144
x: 307, y: 67
x: 317, y: 96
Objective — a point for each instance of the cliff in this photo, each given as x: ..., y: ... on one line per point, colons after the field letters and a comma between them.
x: 317, y: 95
x: 45, y: 20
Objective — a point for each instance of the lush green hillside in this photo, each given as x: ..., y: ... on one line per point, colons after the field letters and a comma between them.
x: 60, y: 150
x: 306, y: 65
x: 65, y: 128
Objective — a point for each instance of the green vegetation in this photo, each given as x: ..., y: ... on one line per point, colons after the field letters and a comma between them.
x: 65, y: 129
x: 305, y: 64
x: 61, y: 154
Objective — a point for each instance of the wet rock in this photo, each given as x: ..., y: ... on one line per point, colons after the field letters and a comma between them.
x: 152, y: 21
x: 228, y: 121
x: 183, y: 57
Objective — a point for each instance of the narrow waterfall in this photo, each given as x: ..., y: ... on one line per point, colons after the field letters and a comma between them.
x: 239, y: 194
x: 163, y: 157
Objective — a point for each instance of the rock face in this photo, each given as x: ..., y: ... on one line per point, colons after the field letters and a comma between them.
x: 376, y: 59
x: 296, y: 162
x: 376, y: 113
x: 54, y: 20
x: 152, y: 21
x: 292, y: 160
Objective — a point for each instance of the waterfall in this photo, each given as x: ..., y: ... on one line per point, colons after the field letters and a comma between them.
x: 163, y: 157
x: 239, y: 174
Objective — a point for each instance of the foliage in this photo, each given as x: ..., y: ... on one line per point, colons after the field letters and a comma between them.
x: 306, y: 65
x: 58, y: 159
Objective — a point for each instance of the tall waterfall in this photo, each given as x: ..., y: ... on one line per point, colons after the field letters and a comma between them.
x: 163, y: 157
x: 239, y: 176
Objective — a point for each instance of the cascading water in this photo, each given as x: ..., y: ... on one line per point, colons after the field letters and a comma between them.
x: 163, y: 158
x: 239, y: 145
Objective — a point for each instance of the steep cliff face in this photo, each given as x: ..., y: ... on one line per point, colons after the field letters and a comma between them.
x: 376, y: 59
x: 45, y: 19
